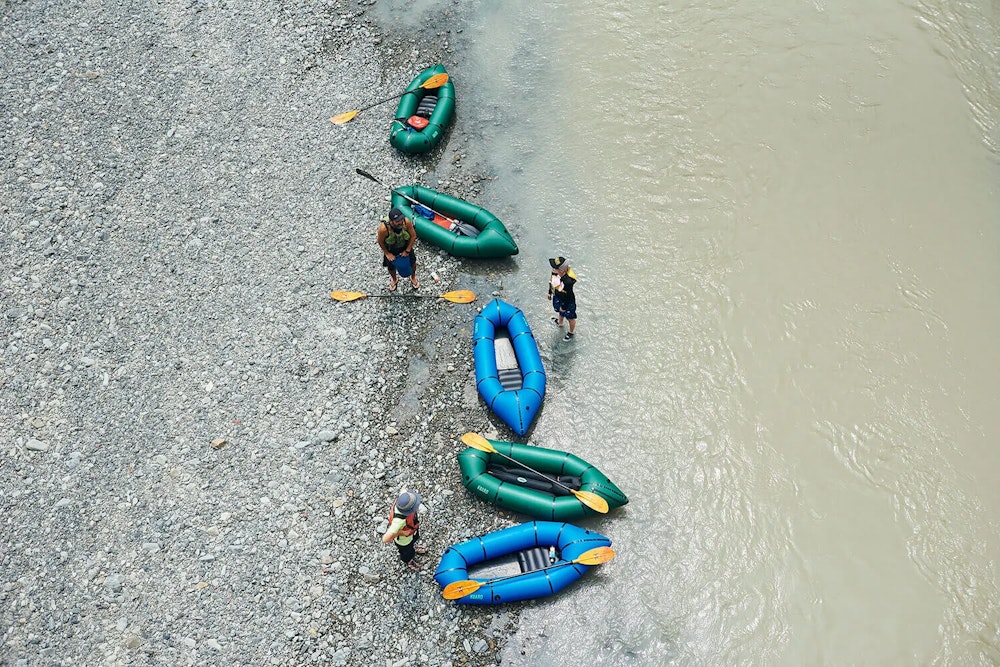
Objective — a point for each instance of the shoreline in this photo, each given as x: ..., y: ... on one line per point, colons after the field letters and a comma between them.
x: 176, y: 209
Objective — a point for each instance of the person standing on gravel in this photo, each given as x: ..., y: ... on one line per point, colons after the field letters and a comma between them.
x: 404, y: 528
x: 396, y: 236
x: 561, y: 294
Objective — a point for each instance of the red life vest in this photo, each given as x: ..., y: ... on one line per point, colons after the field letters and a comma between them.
x: 412, y: 523
x: 417, y: 122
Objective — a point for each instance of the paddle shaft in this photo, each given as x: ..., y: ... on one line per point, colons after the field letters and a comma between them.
x: 521, y: 574
x: 524, y: 465
x: 388, y: 99
x: 364, y: 173
x: 432, y: 80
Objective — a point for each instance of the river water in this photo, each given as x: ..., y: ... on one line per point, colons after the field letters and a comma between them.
x: 786, y: 221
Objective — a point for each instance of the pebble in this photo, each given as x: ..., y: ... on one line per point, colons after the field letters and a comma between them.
x: 326, y: 436
x: 37, y: 445
x: 115, y: 582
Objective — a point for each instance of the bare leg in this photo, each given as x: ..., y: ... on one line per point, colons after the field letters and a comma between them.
x: 394, y: 277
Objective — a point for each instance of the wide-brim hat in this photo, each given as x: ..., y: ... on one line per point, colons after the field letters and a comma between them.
x: 557, y: 262
x: 408, y: 502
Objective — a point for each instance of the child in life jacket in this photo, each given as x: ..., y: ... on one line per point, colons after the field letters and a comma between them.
x: 404, y: 528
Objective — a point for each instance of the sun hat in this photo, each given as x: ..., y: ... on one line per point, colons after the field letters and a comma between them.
x: 395, y: 214
x: 408, y: 501
x: 557, y: 262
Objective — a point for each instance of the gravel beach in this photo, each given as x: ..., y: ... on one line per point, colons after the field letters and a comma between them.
x: 199, y: 446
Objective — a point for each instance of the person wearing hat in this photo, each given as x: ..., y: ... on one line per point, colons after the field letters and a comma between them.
x: 396, y: 236
x: 562, y: 295
x: 404, y: 528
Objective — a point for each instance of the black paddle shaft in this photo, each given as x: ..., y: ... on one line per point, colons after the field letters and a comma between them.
x: 462, y: 226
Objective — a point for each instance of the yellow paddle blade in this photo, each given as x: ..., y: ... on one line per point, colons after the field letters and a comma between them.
x: 459, y: 296
x: 435, y: 81
x: 477, y: 441
x: 459, y: 589
x: 593, y: 501
x: 342, y: 118
x: 347, y: 296
x: 595, y: 556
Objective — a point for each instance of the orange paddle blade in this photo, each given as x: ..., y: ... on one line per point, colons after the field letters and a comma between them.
x: 436, y: 81
x: 595, y: 556
x: 477, y: 441
x: 347, y: 296
x: 342, y: 118
x: 459, y: 296
x: 592, y: 500
x: 459, y: 589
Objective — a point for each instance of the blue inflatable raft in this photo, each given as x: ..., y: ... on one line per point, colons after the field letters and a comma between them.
x: 543, y: 571
x: 509, y: 372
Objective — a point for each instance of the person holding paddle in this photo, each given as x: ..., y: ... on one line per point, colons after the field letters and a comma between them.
x: 404, y: 528
x: 561, y: 294
x: 396, y: 236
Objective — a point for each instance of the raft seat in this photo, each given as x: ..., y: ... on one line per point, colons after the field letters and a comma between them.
x: 534, y: 480
x: 426, y: 106
x: 510, y: 378
x: 530, y: 560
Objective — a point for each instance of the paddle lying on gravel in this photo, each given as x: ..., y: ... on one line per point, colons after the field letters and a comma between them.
x: 459, y: 589
x: 435, y: 81
x: 591, y: 500
x: 455, y: 296
x: 463, y: 228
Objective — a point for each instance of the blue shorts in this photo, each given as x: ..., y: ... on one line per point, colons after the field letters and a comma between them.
x: 567, y: 310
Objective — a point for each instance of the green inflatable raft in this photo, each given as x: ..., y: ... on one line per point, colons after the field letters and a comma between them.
x: 504, y: 483
x: 423, y: 114
x: 454, y: 225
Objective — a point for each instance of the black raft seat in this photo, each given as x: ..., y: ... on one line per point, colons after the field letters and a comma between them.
x: 530, y: 560
x: 534, y: 480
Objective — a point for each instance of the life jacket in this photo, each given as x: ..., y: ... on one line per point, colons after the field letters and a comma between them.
x: 396, y: 240
x: 417, y: 122
x: 412, y: 522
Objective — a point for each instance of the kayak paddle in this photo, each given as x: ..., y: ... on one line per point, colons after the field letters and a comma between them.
x: 459, y: 589
x: 455, y: 296
x: 435, y: 81
x: 464, y: 228
x: 591, y: 500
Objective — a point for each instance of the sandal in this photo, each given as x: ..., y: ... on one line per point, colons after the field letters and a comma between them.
x: 393, y: 283
x: 415, y: 282
x: 414, y: 565
x: 420, y: 550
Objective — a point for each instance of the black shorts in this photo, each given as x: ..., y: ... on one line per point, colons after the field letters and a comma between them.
x: 413, y: 258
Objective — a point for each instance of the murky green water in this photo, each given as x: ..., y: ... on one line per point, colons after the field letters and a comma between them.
x: 785, y: 220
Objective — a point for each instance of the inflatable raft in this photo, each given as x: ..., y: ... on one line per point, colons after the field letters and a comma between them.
x: 509, y: 372
x: 422, y: 114
x: 454, y: 225
x: 537, y: 546
x: 538, y: 492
